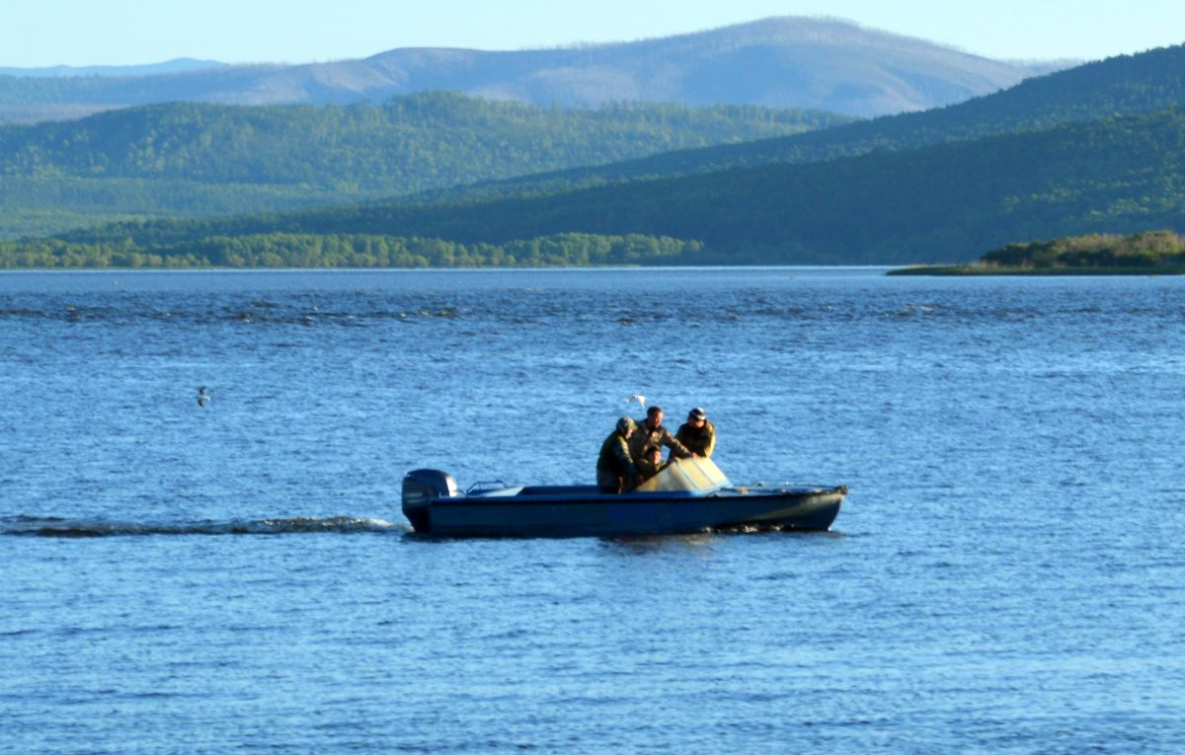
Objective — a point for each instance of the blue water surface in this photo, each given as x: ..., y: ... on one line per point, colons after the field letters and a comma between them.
x: 1006, y: 576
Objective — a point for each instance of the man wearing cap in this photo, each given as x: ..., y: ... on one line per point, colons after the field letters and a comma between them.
x: 650, y: 432
x: 697, y: 433
x: 616, y: 472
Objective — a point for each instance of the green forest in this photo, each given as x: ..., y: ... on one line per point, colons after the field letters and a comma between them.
x: 1124, y: 85
x: 938, y: 204
x: 1154, y: 252
x: 186, y: 159
x: 1047, y: 159
x: 281, y: 250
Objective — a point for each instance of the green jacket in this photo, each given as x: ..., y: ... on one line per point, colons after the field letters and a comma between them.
x: 615, y: 457
x: 700, y: 440
x: 644, y: 436
x: 648, y: 470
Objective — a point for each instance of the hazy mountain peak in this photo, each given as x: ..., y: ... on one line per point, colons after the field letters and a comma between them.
x: 782, y: 62
x: 176, y: 65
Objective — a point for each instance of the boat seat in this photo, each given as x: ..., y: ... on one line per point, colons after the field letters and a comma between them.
x: 498, y: 493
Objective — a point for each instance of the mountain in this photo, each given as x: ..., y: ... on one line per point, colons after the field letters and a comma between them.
x: 942, y: 186
x: 786, y: 62
x: 194, y: 159
x: 177, y: 65
x: 944, y: 203
x: 1127, y: 84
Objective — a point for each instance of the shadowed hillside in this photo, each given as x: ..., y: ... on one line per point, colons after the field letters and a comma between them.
x: 1127, y: 84
x: 193, y: 159
x: 943, y: 203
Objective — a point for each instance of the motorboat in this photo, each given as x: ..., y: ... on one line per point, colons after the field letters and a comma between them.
x: 687, y: 496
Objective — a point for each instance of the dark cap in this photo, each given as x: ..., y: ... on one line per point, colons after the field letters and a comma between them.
x: 625, y: 425
x: 696, y: 413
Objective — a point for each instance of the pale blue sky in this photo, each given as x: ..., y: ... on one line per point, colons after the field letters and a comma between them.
x: 119, y: 32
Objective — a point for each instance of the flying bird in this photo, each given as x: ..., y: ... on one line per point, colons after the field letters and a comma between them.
x: 639, y: 399
x: 203, y: 398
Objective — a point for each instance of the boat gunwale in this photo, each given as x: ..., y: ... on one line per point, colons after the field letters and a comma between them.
x: 590, y: 497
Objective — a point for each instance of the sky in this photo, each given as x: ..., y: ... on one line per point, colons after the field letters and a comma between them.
x: 35, y: 33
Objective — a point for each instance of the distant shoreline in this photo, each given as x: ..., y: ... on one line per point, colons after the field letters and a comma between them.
x: 985, y: 270
x: 1150, y: 253
x: 885, y: 269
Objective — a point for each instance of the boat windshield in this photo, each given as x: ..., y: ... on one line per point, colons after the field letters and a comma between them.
x: 686, y: 474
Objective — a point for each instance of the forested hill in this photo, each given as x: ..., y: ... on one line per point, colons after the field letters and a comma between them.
x: 192, y: 159
x: 1122, y: 85
x: 933, y: 187
x: 943, y: 203
x: 402, y: 146
x: 786, y: 62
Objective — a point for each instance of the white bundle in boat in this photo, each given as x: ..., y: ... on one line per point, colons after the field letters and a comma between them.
x: 685, y: 474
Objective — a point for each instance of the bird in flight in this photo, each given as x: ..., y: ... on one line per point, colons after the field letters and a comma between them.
x: 203, y: 398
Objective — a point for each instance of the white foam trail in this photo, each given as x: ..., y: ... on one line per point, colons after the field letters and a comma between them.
x: 57, y: 527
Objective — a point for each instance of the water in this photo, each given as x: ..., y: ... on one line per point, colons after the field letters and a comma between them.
x: 1006, y: 576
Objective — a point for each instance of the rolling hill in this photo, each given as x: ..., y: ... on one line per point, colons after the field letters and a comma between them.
x: 944, y: 203
x: 785, y: 62
x: 1047, y: 159
x: 1123, y: 85
x: 191, y: 159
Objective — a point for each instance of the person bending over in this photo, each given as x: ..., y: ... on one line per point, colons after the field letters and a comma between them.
x: 697, y: 433
x: 616, y: 471
x: 651, y: 433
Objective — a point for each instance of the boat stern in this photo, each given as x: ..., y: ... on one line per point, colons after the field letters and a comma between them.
x: 420, y: 488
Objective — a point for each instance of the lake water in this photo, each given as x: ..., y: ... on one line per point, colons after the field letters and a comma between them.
x: 1006, y: 576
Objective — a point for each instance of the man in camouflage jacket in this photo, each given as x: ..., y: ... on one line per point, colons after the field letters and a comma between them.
x: 616, y: 471
x: 650, y: 432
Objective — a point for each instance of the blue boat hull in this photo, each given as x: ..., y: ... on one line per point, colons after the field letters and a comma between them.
x: 577, y: 511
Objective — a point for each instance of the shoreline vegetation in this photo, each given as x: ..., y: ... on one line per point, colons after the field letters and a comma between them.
x: 1150, y: 253
x: 342, y: 251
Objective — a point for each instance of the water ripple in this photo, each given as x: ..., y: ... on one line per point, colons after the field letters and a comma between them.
x: 67, y: 528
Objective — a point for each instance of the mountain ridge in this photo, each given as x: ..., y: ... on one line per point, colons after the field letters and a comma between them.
x: 176, y: 65
x: 186, y: 159
x: 941, y: 203
x: 1123, y: 84
x: 1042, y: 168
x: 780, y: 62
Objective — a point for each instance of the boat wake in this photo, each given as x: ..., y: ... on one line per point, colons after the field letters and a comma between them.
x: 66, y: 528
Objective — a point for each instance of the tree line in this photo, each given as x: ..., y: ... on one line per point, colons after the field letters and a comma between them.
x: 292, y: 250
x: 938, y: 204
x: 1137, y: 250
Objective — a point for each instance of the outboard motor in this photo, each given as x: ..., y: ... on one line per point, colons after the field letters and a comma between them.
x: 420, y: 488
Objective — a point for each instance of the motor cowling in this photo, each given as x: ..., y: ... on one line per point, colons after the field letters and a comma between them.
x: 420, y: 488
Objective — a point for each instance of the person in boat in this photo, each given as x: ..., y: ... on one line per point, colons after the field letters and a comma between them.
x: 616, y: 470
x: 650, y: 432
x: 651, y: 462
x: 697, y: 433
